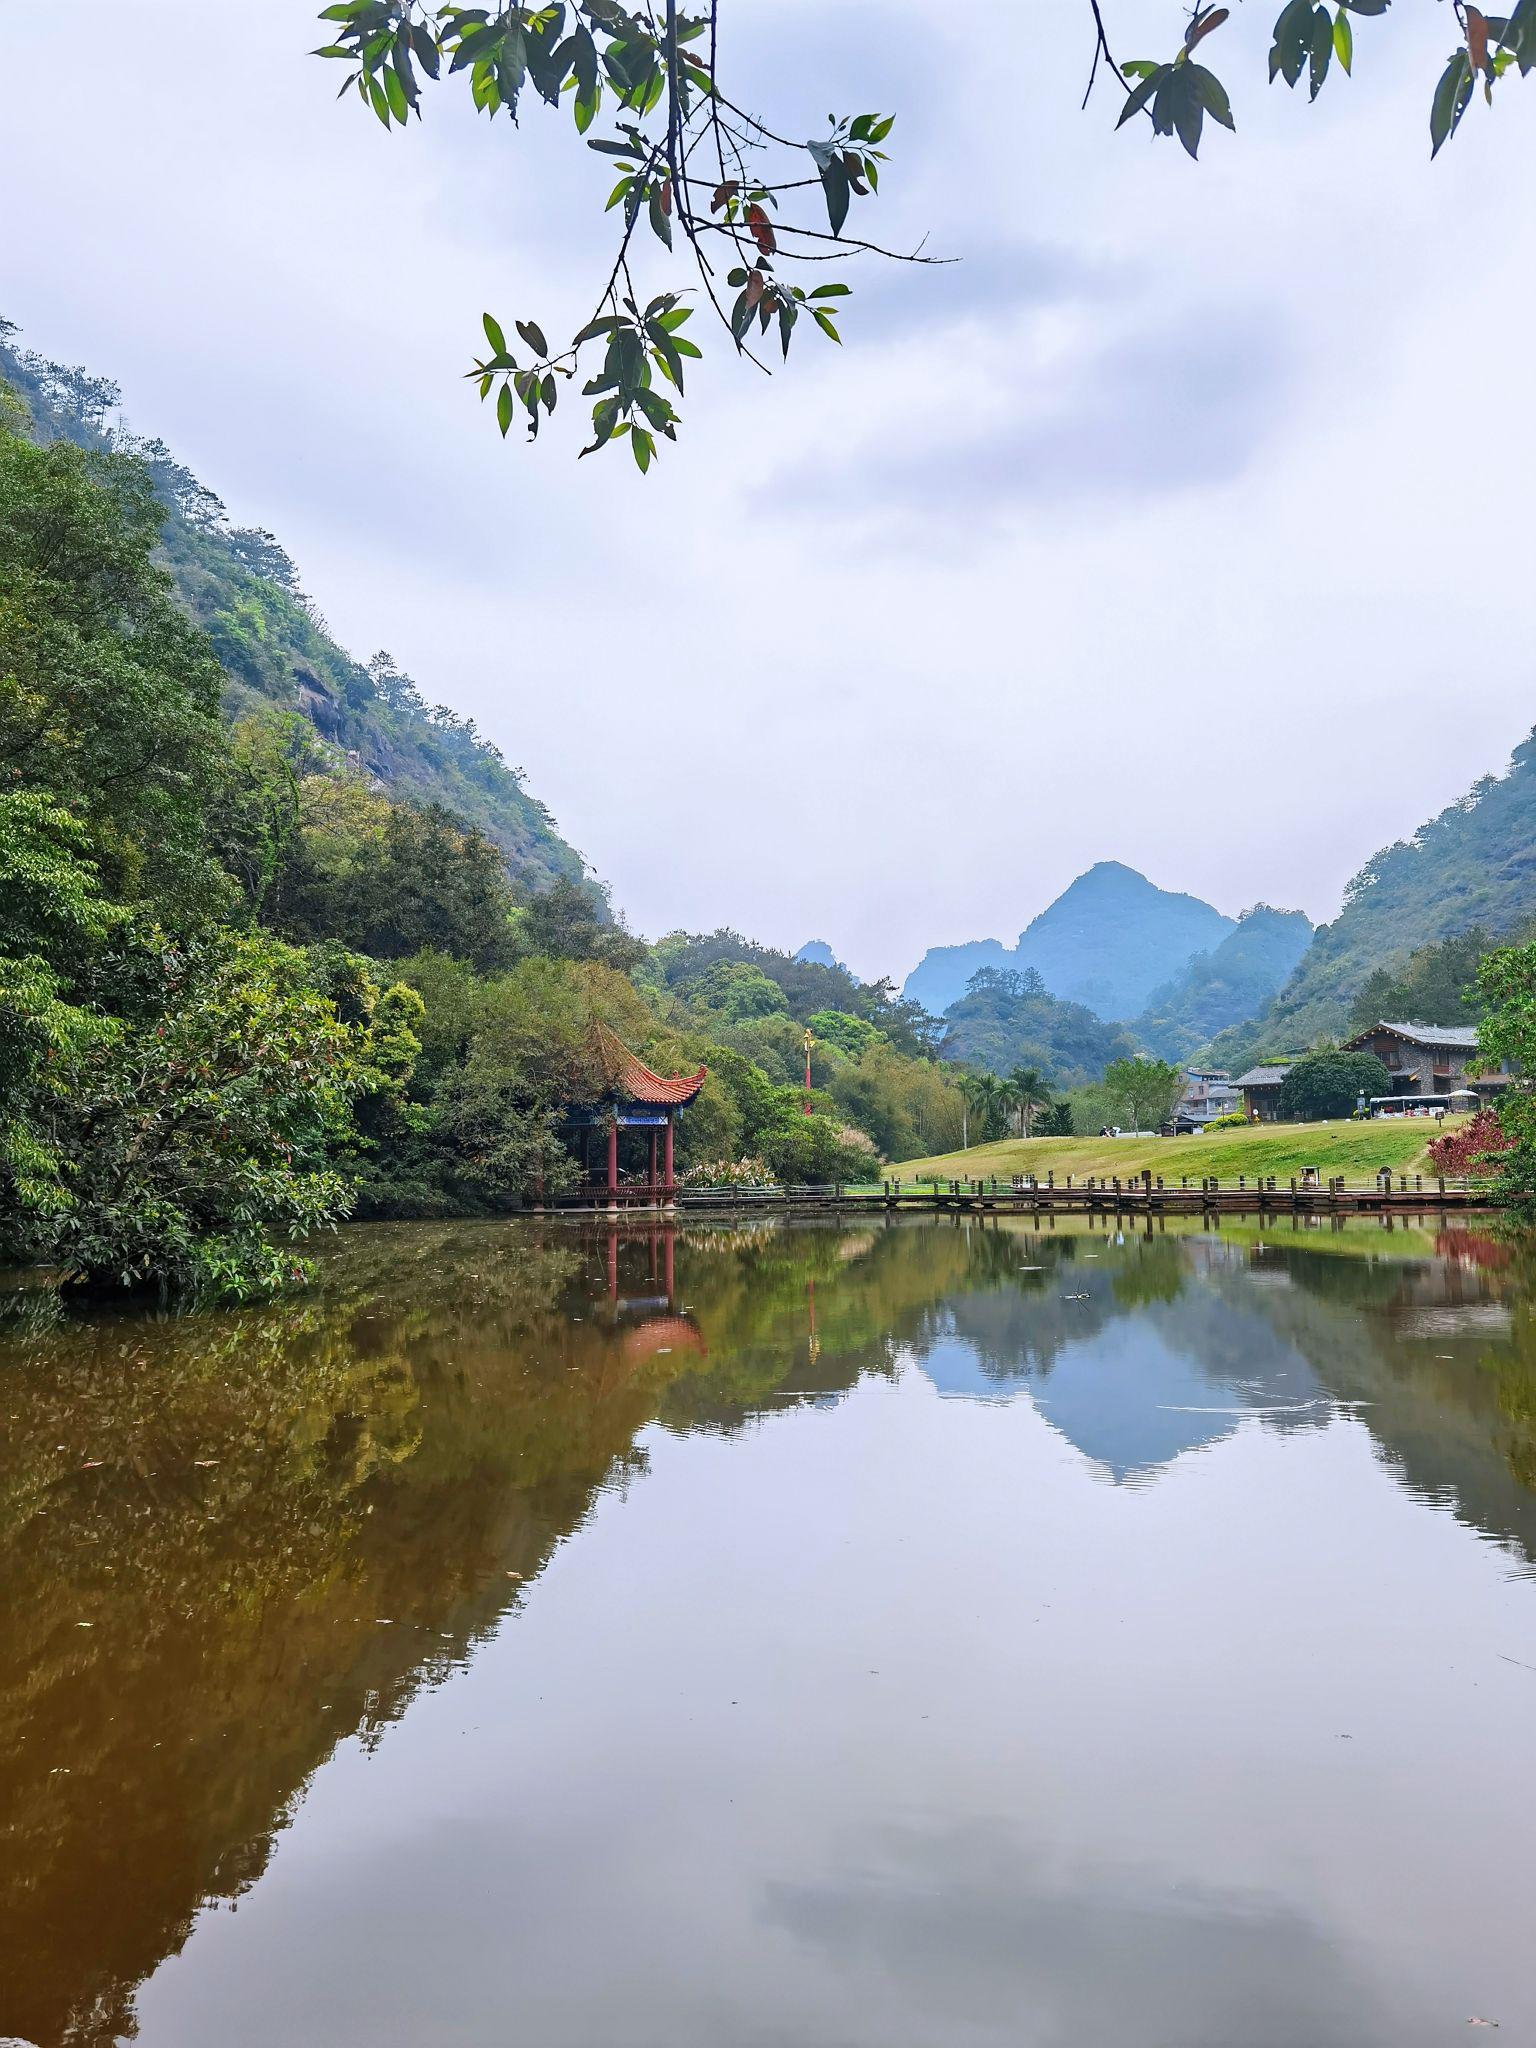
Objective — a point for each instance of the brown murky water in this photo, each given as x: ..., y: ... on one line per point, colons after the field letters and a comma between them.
x: 903, y: 1637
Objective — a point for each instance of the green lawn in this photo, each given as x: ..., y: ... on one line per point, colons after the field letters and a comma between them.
x: 1357, y: 1150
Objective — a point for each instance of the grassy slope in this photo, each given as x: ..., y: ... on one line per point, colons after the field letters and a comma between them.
x: 1355, y: 1149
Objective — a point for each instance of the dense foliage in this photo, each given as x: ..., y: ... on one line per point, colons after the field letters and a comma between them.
x: 246, y: 990
x: 1146, y: 1091
x: 276, y: 654
x: 1008, y: 1019
x: 1468, y: 869
x: 1435, y: 985
x: 1226, y: 985
x: 1472, y: 1147
x: 1330, y: 1084
x: 1506, y: 983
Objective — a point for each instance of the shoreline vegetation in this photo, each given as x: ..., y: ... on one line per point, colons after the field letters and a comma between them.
x: 275, y: 955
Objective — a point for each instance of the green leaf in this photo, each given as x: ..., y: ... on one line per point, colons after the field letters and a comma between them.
x: 824, y: 322
x: 834, y: 183
x: 831, y: 291
x: 504, y: 409
x: 394, y: 92
x: 1212, y: 94
x: 675, y: 319
x: 642, y: 447
x: 1141, y: 94
x: 426, y: 49
x: 1343, y: 41
x: 1188, y: 110
x: 1321, y: 50
x: 1452, y: 95
x: 533, y: 334
x: 661, y: 227
x: 493, y: 334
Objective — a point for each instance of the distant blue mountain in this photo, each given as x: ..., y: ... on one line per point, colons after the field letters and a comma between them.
x: 1133, y: 1384
x: 817, y: 953
x: 1107, y: 941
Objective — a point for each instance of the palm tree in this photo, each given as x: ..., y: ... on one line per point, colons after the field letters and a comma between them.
x: 993, y: 1097
x: 1009, y: 1100
x: 973, y: 1094
x: 984, y: 1099
x: 1029, y: 1092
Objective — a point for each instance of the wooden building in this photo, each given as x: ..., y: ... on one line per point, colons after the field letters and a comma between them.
x: 1428, y: 1059
x: 1260, y: 1089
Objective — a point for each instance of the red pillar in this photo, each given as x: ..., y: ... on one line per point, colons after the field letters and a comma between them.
x: 668, y: 1246
x: 653, y: 1162
x: 613, y: 1155
x: 669, y: 1179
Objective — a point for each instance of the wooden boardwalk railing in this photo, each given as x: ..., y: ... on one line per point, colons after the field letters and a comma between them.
x: 1121, y: 1195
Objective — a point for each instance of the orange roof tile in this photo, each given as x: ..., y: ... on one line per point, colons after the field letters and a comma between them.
x: 631, y: 1080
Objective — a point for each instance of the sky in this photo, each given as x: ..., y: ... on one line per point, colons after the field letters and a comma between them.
x: 1179, y: 521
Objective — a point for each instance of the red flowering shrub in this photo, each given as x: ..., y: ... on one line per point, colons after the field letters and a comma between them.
x: 1466, y: 1151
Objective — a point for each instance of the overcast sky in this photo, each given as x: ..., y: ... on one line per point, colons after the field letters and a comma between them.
x: 1182, y: 522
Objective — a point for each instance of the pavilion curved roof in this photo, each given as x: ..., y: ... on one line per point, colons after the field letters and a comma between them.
x: 629, y: 1079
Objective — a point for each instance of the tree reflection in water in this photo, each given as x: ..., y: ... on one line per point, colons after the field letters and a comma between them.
x: 232, y: 1540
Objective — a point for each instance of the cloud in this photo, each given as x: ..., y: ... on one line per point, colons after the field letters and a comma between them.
x: 1107, y: 420
x: 964, y: 1926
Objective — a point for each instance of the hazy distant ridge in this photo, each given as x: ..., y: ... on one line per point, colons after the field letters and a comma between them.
x: 1107, y: 941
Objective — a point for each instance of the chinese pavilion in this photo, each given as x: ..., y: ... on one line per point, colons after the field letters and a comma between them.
x: 633, y: 1098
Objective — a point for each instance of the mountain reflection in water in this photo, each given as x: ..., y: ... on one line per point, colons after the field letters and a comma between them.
x: 703, y: 1635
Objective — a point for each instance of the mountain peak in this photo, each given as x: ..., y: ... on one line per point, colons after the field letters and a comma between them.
x: 1107, y: 941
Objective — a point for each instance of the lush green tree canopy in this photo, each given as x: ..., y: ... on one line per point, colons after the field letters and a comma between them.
x: 1330, y: 1083
x: 1146, y: 1089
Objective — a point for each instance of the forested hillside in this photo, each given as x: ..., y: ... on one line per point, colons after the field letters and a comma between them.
x: 243, y: 590
x: 1007, y: 1019
x: 248, y: 988
x: 1226, y: 986
x: 1473, y: 866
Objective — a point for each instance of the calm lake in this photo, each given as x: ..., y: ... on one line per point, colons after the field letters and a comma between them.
x: 909, y: 1636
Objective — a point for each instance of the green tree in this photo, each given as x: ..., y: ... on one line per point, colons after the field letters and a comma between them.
x: 1506, y: 984
x: 54, y: 922
x: 1146, y: 1089
x: 1030, y: 1095
x: 390, y: 878
x: 737, y: 990
x: 188, y: 1148
x: 850, y: 1034
x: 1329, y: 1084
x: 1056, y: 1119
x: 567, y: 922
x: 109, y: 696
x: 1435, y: 985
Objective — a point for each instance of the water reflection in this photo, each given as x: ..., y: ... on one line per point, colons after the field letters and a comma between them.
x: 240, y: 1549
